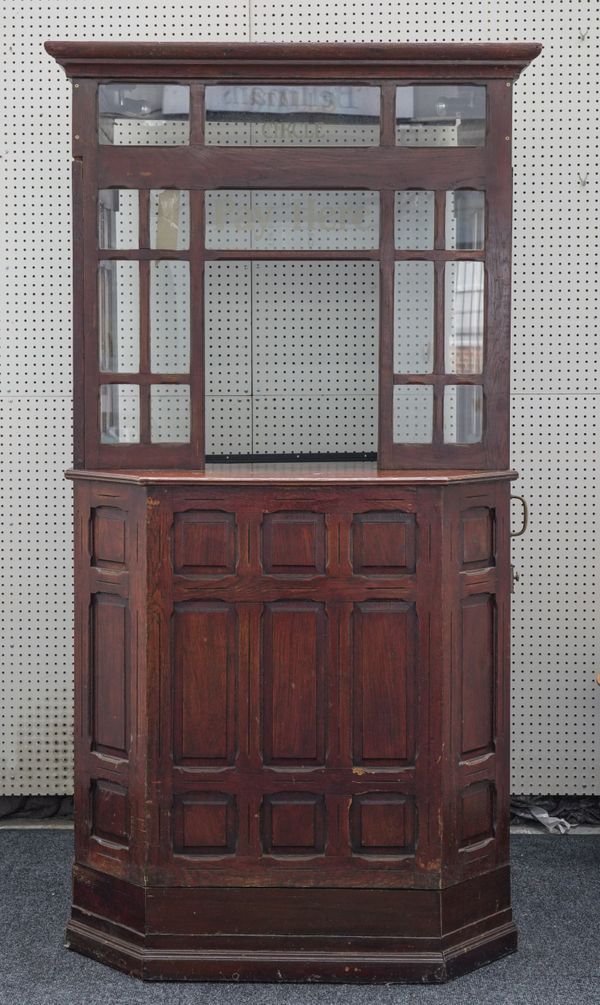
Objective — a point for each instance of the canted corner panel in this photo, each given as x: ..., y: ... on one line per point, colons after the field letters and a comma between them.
x: 477, y: 815
x: 109, y: 537
x: 293, y: 823
x: 294, y: 543
x: 110, y: 812
x: 205, y: 543
x: 205, y: 823
x: 293, y: 676
x: 383, y: 682
x: 383, y: 543
x: 382, y: 823
x: 478, y: 675
x: 478, y: 535
x: 109, y: 672
x: 205, y: 658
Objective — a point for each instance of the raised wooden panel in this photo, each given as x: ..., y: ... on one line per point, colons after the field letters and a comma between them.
x: 382, y: 823
x: 109, y: 648
x: 477, y: 813
x: 293, y: 682
x: 383, y: 544
x: 110, y: 812
x: 293, y: 823
x: 204, y: 823
x: 108, y: 536
x: 383, y: 656
x: 294, y: 543
x: 478, y: 527
x: 478, y: 674
x: 205, y: 657
x: 204, y: 543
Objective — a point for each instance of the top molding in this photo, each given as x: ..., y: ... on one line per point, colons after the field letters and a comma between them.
x: 267, y: 60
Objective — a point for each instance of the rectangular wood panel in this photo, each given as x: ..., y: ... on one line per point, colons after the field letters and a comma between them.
x: 109, y: 674
x: 384, y: 656
x: 110, y: 812
x: 478, y: 673
x: 205, y: 655
x: 293, y: 670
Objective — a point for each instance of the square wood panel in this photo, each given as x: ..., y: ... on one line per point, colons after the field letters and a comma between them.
x: 108, y: 536
x: 294, y: 544
x: 382, y: 823
x: 293, y: 823
x: 383, y: 544
x: 204, y: 823
x: 204, y: 543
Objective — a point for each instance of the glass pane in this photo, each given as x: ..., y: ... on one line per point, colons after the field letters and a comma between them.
x: 169, y: 317
x: 413, y: 413
x: 415, y: 214
x: 119, y: 316
x: 413, y: 317
x: 118, y: 218
x: 275, y: 219
x: 463, y: 413
x: 170, y: 413
x: 291, y: 356
x: 170, y: 219
x: 283, y: 115
x: 119, y: 413
x: 463, y: 320
x: 140, y: 115
x: 440, y: 115
x: 465, y: 220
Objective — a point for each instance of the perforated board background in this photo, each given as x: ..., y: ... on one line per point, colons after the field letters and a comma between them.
x: 555, y: 369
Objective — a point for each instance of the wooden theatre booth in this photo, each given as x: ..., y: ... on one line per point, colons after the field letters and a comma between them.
x: 292, y: 491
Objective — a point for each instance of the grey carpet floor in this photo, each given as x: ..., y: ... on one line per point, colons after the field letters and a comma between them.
x: 556, y: 888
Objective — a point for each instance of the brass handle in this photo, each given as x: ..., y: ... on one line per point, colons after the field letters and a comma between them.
x: 525, y: 524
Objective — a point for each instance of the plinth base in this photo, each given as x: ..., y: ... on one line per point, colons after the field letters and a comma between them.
x: 289, y: 935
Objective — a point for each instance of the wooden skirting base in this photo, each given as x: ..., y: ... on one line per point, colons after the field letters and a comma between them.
x: 283, y: 935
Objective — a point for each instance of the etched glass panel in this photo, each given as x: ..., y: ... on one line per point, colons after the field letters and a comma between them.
x: 413, y: 317
x: 170, y: 219
x: 118, y: 218
x: 169, y: 317
x: 413, y: 413
x: 119, y: 316
x: 440, y: 115
x: 463, y: 320
x: 119, y: 413
x: 463, y: 413
x: 414, y: 220
x: 170, y: 413
x: 295, y: 220
x: 139, y: 115
x: 283, y: 115
x: 465, y: 220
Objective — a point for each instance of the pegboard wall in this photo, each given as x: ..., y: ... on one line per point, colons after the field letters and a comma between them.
x: 556, y: 371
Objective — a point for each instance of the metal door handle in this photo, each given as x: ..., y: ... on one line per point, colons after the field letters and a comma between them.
x: 525, y: 524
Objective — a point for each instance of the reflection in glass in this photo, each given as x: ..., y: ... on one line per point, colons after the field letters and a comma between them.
x: 463, y: 316
x: 415, y: 215
x: 413, y: 317
x: 170, y: 413
x: 440, y: 115
x: 463, y: 413
x: 170, y: 219
x: 280, y: 219
x: 119, y: 316
x: 283, y: 115
x: 465, y: 220
x: 169, y: 317
x: 413, y: 413
x: 119, y: 413
x: 118, y: 218
x: 145, y: 114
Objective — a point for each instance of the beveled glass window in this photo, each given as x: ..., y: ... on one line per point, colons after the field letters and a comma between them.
x: 283, y: 115
x: 463, y: 322
x: 169, y: 212
x: 119, y: 413
x: 440, y: 115
x: 463, y: 413
x: 118, y: 218
x: 465, y: 220
x: 143, y: 114
x: 119, y: 316
x: 413, y: 413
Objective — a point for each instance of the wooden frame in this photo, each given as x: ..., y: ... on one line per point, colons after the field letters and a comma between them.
x: 385, y: 168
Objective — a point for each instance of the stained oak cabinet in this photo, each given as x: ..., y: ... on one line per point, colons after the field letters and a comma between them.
x: 292, y: 491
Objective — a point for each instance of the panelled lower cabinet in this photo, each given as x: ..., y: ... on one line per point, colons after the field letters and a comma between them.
x: 292, y: 492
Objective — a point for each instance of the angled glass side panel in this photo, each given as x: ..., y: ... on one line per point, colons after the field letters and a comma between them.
x: 464, y: 298
x: 118, y: 316
x: 440, y: 115
x: 119, y: 413
x: 413, y: 413
x: 465, y: 220
x: 118, y: 218
x: 143, y: 114
x: 463, y: 413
